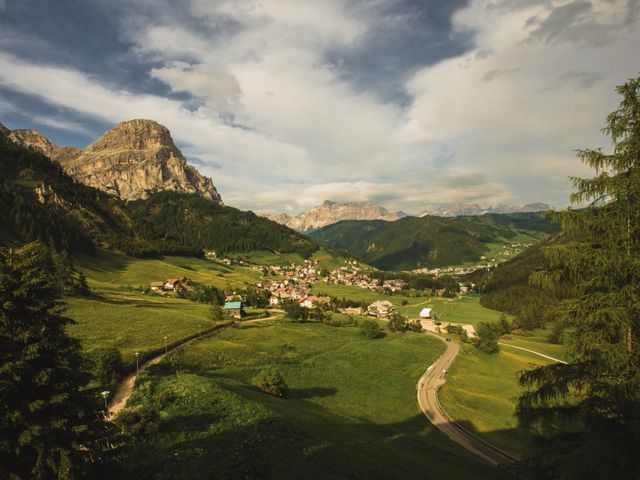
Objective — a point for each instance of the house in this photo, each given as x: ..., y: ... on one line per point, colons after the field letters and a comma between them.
x: 309, y: 302
x: 157, y: 286
x: 381, y: 309
x: 233, y: 309
x: 425, y: 313
x: 273, y: 300
x: 173, y: 283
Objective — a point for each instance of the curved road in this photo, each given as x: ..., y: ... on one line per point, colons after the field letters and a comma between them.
x: 427, y: 388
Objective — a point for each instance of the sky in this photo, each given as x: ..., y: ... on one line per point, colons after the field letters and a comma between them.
x: 410, y: 104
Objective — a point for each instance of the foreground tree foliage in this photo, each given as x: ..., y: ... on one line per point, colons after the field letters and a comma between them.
x: 588, y: 411
x: 51, y: 426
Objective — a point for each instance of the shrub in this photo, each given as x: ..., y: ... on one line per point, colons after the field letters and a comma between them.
x: 272, y: 382
x: 487, y: 337
x: 371, y: 329
x: 107, y: 366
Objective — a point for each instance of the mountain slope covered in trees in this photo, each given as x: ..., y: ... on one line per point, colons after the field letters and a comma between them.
x: 413, y: 242
x: 41, y: 202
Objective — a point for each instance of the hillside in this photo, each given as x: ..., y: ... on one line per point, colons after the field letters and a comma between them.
x: 429, y: 241
x: 41, y: 202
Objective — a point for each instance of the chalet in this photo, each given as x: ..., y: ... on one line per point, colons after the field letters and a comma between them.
x: 157, y: 286
x: 309, y: 302
x: 273, y: 300
x: 381, y: 309
x: 425, y: 313
x: 173, y: 283
x: 234, y: 309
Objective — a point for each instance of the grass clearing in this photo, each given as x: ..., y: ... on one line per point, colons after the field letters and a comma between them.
x: 479, y: 394
x: 351, y: 411
x: 109, y: 270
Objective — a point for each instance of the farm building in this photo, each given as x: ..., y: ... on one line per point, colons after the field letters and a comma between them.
x: 157, y: 286
x: 381, y: 309
x: 425, y: 313
x: 233, y: 309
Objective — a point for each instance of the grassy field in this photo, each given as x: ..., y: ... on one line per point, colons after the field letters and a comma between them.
x: 134, y: 322
x: 328, y: 259
x: 480, y: 393
x: 536, y: 340
x: 351, y: 412
x: 109, y: 270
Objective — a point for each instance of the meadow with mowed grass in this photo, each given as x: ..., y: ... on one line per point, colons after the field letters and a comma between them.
x: 480, y: 392
x: 351, y: 410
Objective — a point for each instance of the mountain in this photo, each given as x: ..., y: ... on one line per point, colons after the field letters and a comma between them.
x: 42, y: 202
x: 132, y: 161
x: 332, y: 212
x: 466, y: 209
x: 4, y: 130
x: 429, y: 241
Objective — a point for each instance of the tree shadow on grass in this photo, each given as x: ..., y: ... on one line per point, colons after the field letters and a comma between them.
x: 307, y: 393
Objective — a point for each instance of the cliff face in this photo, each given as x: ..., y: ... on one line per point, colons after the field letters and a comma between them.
x: 32, y: 138
x: 332, y: 212
x: 132, y: 161
x: 136, y: 159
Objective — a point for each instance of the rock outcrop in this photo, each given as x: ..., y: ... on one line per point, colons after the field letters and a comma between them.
x: 4, y: 130
x: 33, y: 138
x: 332, y: 212
x: 132, y: 161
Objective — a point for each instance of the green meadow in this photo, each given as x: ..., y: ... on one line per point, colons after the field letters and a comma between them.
x: 480, y: 394
x: 351, y: 411
x: 109, y: 270
x: 328, y: 259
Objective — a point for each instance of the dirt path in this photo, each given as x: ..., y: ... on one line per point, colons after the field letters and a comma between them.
x: 125, y: 387
x: 427, y: 391
x: 557, y: 360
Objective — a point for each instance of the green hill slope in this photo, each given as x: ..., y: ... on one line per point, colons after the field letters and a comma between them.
x: 40, y: 202
x: 429, y: 241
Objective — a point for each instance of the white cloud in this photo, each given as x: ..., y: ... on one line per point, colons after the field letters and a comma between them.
x: 498, y: 123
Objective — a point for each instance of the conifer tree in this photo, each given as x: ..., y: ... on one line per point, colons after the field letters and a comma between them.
x: 589, y: 410
x: 51, y: 426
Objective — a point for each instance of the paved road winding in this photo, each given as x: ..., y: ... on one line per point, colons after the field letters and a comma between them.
x: 428, y: 386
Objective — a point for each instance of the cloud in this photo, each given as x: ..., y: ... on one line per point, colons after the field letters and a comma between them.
x: 288, y: 103
x: 596, y: 23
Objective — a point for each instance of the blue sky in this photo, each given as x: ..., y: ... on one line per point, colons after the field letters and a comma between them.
x: 286, y: 103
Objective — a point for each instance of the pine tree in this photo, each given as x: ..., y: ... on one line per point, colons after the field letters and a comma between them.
x: 51, y: 426
x: 589, y: 409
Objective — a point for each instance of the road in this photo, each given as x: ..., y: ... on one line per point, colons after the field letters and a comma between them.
x: 125, y: 387
x: 427, y: 388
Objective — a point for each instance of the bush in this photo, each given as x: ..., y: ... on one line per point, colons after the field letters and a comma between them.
x: 272, y: 382
x: 371, y: 329
x: 107, y: 366
x: 399, y: 323
x: 487, y: 337
x: 140, y: 422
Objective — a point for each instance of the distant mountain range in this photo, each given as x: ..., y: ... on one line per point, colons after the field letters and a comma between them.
x: 470, y: 209
x: 132, y: 161
x: 331, y: 212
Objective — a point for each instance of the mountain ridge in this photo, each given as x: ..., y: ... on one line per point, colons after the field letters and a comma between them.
x: 329, y: 212
x: 132, y: 161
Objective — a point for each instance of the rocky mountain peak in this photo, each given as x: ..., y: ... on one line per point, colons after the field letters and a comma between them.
x: 29, y: 137
x: 4, y: 130
x: 331, y: 212
x: 136, y: 159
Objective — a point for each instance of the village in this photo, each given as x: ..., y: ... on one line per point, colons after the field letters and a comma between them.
x: 293, y: 284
